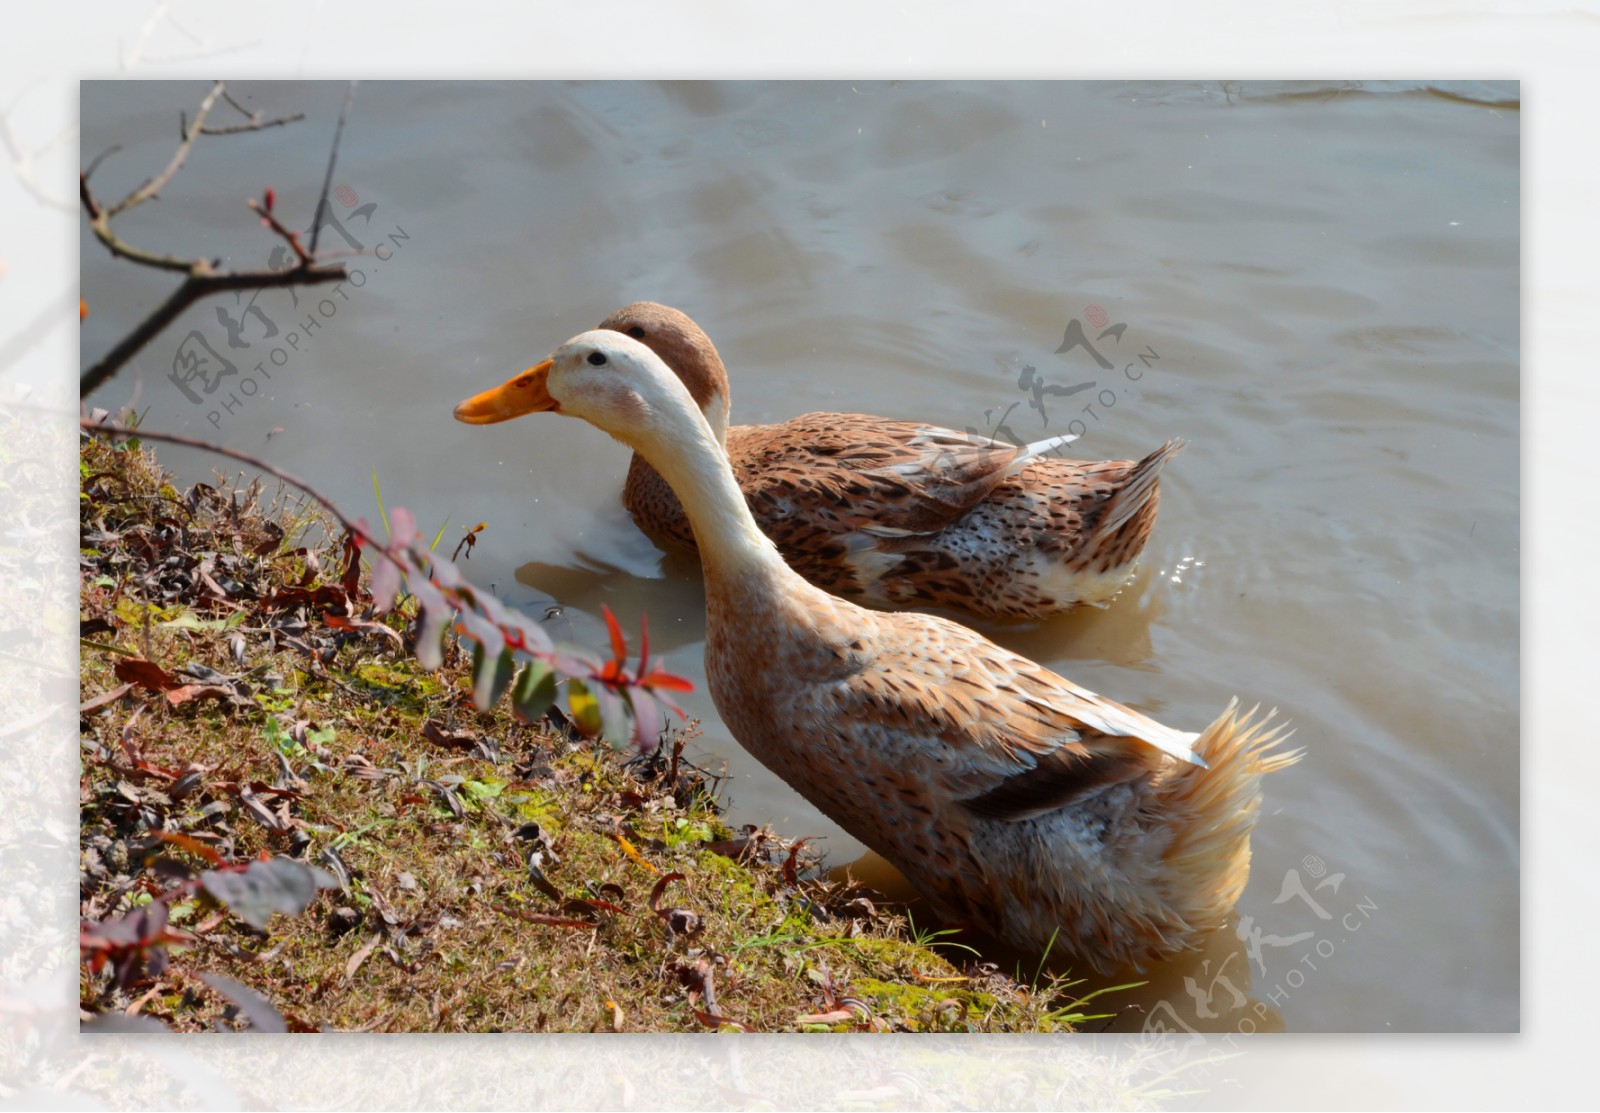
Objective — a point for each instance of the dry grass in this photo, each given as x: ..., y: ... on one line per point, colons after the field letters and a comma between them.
x: 323, y: 752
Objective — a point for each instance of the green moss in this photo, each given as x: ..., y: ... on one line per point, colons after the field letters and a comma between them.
x: 442, y: 928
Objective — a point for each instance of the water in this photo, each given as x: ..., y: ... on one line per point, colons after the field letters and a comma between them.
x: 1326, y: 275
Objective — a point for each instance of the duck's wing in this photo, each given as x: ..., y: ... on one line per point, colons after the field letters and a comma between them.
x: 869, y: 475
x: 1013, y: 739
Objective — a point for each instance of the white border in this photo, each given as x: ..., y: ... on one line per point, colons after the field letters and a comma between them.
x: 1547, y: 44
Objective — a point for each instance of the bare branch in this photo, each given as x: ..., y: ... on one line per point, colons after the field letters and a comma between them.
x: 242, y: 110
x: 100, y: 225
x: 201, y: 277
x: 199, y: 283
x: 333, y: 155
x: 255, y: 124
x: 190, y: 133
x: 292, y: 238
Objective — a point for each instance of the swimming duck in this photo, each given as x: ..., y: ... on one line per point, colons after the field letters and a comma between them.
x: 902, y: 514
x: 1017, y: 802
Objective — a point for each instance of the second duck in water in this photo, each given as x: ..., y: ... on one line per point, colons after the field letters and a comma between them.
x: 903, y: 514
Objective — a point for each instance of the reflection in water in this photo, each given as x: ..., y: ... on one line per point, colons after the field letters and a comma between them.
x: 1118, y: 633
x: 1328, y: 271
x: 1210, y: 989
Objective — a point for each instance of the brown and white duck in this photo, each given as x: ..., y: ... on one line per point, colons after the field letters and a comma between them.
x: 902, y: 514
x: 1014, y: 800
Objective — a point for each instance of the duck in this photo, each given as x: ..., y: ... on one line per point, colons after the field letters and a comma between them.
x: 901, y: 514
x: 1021, y: 805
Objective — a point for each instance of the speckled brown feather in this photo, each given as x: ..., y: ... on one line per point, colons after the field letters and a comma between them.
x: 1014, y: 800
x: 901, y: 514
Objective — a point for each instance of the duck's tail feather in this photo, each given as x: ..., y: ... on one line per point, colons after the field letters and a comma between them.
x: 1039, y: 448
x: 1137, y: 495
x: 1210, y: 853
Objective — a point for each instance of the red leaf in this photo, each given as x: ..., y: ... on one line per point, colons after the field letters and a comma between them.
x: 350, y: 579
x: 644, y: 643
x: 790, y: 876
x: 663, y: 679
x: 191, y: 844
x: 619, y: 648
x: 146, y: 674
x: 655, y: 894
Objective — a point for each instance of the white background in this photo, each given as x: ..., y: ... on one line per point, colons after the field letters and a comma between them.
x: 1549, y: 46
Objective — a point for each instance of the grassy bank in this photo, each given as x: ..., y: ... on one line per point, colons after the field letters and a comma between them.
x: 480, y: 874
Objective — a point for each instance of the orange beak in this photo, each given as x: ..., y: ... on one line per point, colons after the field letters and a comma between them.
x: 528, y: 393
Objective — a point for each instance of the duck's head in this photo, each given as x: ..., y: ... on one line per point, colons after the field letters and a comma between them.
x: 686, y: 349
x: 604, y: 377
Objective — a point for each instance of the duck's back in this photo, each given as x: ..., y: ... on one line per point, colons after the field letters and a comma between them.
x: 900, y: 514
x: 1018, y: 803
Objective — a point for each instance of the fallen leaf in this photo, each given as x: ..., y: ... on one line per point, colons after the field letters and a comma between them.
x: 660, y: 887
x: 104, y: 700
x: 548, y: 920
x: 629, y: 849
x: 186, y: 692
x: 262, y: 888
x: 435, y: 732
x: 362, y: 955
x: 146, y: 674
x: 364, y: 626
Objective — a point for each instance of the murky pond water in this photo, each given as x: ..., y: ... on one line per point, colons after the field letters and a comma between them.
x: 1326, y: 278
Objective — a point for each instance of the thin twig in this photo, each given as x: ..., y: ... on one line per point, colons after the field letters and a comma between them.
x: 255, y: 124
x: 94, y: 164
x: 191, y: 132
x: 243, y: 111
x: 333, y: 156
x: 292, y: 238
x: 116, y: 430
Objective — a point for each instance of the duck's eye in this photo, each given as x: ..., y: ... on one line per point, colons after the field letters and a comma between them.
x: 636, y: 332
x: 597, y: 358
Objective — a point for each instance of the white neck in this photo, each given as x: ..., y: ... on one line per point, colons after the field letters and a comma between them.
x: 697, y: 469
x: 716, y: 415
